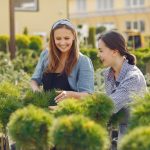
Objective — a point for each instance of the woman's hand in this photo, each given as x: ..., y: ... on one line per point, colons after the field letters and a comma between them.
x: 62, y: 95
x: 52, y: 107
x: 69, y: 94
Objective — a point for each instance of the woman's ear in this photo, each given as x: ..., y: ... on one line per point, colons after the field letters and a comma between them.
x: 115, y: 52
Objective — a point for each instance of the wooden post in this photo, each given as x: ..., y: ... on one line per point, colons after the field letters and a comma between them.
x: 12, y: 47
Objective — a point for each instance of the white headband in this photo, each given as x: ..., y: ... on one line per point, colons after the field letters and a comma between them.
x: 63, y: 22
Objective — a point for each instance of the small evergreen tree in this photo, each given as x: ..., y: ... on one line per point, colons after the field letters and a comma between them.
x: 91, y: 38
x: 77, y: 132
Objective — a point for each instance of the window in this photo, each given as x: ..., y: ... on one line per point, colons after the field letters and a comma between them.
x: 104, y: 4
x: 81, y: 5
x: 128, y: 25
x: 134, y: 3
x: 142, y: 26
x: 26, y: 5
x: 137, y: 25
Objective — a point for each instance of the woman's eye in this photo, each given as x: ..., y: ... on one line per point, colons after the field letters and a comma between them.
x: 58, y: 38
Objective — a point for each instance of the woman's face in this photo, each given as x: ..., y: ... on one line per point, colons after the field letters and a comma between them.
x: 63, y: 39
x: 105, y: 54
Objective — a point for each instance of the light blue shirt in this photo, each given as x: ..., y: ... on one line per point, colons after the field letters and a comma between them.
x: 81, y: 78
x: 129, y: 82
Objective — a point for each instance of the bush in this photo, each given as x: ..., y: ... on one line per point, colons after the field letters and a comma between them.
x: 25, y: 31
x: 35, y: 43
x: 9, y: 99
x: 11, y: 75
x: 9, y: 89
x: 40, y: 99
x: 78, y: 132
x: 92, y: 54
x: 91, y: 38
x: 100, y: 29
x: 98, y: 107
x: 4, y: 43
x: 29, y: 127
x: 138, y: 139
x: 143, y: 57
x: 140, y: 111
x: 26, y: 59
x: 68, y: 107
x: 22, y: 41
x: 8, y: 105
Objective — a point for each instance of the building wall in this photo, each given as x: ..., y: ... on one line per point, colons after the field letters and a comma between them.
x: 4, y: 16
x: 36, y: 22
x: 118, y: 16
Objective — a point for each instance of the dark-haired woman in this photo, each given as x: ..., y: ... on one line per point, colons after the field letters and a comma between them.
x: 122, y: 77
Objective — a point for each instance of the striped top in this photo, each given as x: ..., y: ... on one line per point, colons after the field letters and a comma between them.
x: 129, y: 82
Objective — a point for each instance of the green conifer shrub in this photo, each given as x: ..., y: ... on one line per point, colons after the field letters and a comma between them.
x: 137, y: 139
x: 140, y: 110
x: 77, y: 132
x: 40, y: 99
x: 68, y: 107
x: 98, y: 107
x: 29, y: 128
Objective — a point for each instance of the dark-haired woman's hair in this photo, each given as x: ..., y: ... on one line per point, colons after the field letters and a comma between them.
x: 116, y: 41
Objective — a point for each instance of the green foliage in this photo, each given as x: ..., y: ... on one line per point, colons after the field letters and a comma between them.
x: 8, y: 89
x: 138, y: 139
x: 68, y: 107
x: 92, y: 54
x: 99, y: 84
x: 117, y: 118
x: 100, y: 29
x: 143, y: 57
x: 98, y: 107
x: 8, y: 105
x: 78, y: 132
x: 91, y: 38
x: 9, y: 101
x: 35, y: 43
x: 40, y: 99
x: 140, y: 111
x: 10, y: 75
x: 26, y: 60
x: 29, y: 127
x: 4, y: 43
x: 25, y: 31
x: 22, y: 41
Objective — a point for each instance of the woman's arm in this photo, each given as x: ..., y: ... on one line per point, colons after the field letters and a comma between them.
x: 85, y: 80
x: 36, y: 78
x: 34, y: 85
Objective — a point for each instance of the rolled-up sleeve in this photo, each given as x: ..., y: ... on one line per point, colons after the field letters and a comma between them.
x: 38, y: 73
x: 85, y: 81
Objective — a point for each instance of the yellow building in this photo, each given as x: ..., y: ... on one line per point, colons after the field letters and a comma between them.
x: 36, y: 15
x: 113, y: 14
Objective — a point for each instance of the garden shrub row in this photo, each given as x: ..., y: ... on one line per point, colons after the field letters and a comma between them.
x: 29, y: 125
x: 22, y: 42
x: 34, y: 129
